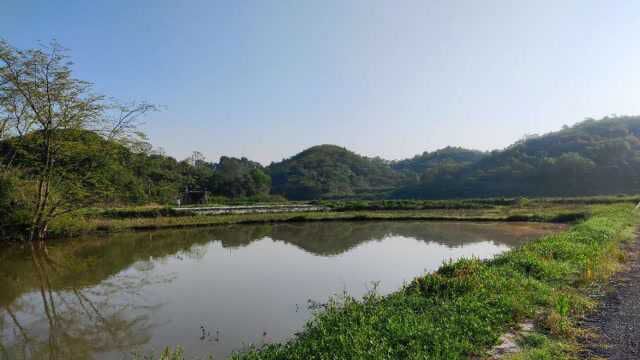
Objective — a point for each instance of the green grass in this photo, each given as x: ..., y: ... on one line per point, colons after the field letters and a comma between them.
x: 461, y: 310
x: 488, y: 203
x: 149, y: 218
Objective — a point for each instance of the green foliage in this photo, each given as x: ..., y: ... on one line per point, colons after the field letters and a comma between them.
x: 237, y: 178
x: 536, y: 346
x: 373, y: 205
x: 6, y: 190
x: 93, y: 170
x: 166, y: 354
x: 46, y: 114
x: 155, y: 217
x: 461, y: 310
x: 591, y: 158
x: 428, y: 164
x: 594, y: 157
x: 135, y: 213
x: 99, y: 172
x: 563, y: 306
x: 14, y: 209
x: 329, y: 171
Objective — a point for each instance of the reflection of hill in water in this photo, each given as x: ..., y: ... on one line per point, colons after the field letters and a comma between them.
x: 88, y: 261
x: 339, y: 237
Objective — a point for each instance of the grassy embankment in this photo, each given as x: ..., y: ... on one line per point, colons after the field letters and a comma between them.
x: 148, y: 218
x: 463, y: 308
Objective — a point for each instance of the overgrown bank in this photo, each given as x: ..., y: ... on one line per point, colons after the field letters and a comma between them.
x: 148, y: 218
x: 463, y: 308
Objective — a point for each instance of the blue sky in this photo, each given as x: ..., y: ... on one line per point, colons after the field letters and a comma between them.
x: 266, y: 79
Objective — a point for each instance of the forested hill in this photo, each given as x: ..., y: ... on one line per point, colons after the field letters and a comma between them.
x: 591, y: 158
x: 450, y: 156
x: 329, y: 171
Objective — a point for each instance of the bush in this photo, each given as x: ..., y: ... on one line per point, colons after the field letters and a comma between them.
x: 14, y: 208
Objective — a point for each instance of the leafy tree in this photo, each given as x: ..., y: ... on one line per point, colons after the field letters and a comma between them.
x: 234, y: 178
x: 41, y: 101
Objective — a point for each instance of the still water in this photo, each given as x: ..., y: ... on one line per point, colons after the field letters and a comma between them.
x: 217, y: 290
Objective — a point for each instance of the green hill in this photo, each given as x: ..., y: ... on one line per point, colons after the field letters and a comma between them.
x: 420, y: 165
x: 329, y: 171
x: 594, y: 157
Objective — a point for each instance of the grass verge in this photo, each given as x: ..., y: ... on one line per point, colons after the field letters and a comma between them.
x: 461, y: 310
x: 110, y: 220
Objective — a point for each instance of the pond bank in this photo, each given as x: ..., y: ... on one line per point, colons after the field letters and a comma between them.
x: 238, y: 282
x: 124, y: 220
x: 462, y: 309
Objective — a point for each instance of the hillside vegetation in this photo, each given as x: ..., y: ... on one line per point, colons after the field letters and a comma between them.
x: 449, y: 157
x: 93, y: 171
x: 329, y: 171
x: 595, y: 157
x: 118, y: 174
x: 591, y: 158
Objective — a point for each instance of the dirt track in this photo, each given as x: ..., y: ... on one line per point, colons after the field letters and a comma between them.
x: 617, y: 321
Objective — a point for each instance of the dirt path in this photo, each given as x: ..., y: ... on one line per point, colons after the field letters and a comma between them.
x: 617, y: 321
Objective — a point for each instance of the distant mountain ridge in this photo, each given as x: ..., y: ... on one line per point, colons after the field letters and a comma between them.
x: 594, y: 157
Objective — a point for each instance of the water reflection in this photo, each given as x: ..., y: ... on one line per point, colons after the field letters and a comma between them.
x: 63, y: 319
x: 212, y: 290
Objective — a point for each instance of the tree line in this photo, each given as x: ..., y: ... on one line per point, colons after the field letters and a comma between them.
x: 594, y: 157
x: 63, y: 148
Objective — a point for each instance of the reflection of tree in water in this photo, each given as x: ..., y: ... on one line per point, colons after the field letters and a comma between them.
x: 98, y: 258
x: 72, y: 322
x: 74, y: 297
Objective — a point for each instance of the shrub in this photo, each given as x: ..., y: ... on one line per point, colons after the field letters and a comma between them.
x: 14, y: 207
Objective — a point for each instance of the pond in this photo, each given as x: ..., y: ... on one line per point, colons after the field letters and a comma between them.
x: 215, y: 290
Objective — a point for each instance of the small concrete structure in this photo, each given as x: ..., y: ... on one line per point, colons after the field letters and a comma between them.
x: 191, y: 197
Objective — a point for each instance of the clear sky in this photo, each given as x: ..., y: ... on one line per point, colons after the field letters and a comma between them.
x: 266, y: 79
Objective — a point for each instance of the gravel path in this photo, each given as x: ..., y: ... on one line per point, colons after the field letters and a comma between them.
x: 617, y: 322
